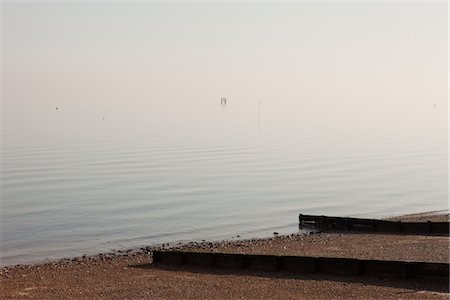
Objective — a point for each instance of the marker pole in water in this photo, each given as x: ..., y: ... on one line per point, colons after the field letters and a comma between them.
x: 259, y: 117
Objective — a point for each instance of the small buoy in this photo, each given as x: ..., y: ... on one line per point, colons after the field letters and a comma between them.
x: 57, y: 108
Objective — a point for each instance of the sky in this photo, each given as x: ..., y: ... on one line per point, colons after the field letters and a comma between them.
x: 378, y: 66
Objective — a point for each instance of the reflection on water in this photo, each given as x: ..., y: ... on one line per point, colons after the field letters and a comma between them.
x: 69, y: 190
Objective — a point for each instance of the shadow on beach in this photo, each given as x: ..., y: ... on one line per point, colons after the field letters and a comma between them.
x: 438, y: 285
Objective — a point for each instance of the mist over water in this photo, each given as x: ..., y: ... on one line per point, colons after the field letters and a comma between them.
x: 114, y: 137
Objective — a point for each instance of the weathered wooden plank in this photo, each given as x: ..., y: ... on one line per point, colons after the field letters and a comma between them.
x: 305, y: 264
x: 372, y: 225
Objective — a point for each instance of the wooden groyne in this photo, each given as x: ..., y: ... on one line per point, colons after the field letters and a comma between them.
x: 372, y: 225
x: 304, y: 264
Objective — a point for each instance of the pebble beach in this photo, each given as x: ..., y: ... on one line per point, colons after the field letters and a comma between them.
x: 130, y: 274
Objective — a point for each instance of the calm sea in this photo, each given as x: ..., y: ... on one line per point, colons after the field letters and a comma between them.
x: 77, y: 183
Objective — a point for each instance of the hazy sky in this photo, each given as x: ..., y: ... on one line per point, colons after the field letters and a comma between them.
x: 367, y: 64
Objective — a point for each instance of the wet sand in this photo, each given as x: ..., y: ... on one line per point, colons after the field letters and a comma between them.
x: 131, y: 274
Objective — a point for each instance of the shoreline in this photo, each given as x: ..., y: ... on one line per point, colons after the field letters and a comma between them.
x: 434, y: 216
x: 131, y: 274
